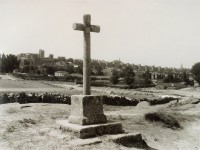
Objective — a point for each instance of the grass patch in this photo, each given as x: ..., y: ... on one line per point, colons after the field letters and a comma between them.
x: 165, y: 118
x: 10, y: 128
x: 25, y: 120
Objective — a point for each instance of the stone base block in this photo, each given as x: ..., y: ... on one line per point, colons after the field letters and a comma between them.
x: 87, y: 109
x: 88, y: 131
x: 83, y: 120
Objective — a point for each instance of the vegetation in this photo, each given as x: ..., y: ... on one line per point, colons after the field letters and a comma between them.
x: 196, y: 71
x: 121, y: 73
x: 147, y: 78
x: 115, y: 77
x: 167, y: 119
x: 186, y: 79
x: 129, y: 75
x: 8, y: 63
x: 171, y: 78
x: 50, y: 70
x: 97, y: 68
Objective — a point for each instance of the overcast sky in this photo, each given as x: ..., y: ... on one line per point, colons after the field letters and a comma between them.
x: 147, y: 32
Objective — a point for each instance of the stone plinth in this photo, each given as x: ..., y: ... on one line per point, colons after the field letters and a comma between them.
x: 88, y: 131
x: 86, y: 109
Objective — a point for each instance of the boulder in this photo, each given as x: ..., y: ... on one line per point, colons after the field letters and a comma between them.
x: 143, y: 105
x: 130, y: 140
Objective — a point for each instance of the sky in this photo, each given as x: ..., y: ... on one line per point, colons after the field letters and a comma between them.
x: 148, y: 32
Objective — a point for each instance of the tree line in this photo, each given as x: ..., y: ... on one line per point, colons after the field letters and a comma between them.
x: 8, y: 63
x: 130, y: 78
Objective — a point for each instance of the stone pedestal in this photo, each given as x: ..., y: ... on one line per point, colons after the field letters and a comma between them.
x: 86, y: 109
x: 88, y: 131
x: 87, y: 118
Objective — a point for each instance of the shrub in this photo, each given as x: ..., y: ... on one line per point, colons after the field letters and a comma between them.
x: 167, y: 119
x: 25, y: 120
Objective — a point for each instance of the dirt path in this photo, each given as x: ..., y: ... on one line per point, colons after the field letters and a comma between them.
x: 192, y: 134
x: 191, y: 130
x: 3, y: 144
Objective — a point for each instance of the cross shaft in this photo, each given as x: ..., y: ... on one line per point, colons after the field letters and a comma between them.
x: 86, y: 28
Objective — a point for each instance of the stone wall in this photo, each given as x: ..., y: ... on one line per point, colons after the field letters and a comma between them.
x: 66, y: 99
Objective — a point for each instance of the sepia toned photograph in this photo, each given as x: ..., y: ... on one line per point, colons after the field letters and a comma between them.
x: 99, y: 75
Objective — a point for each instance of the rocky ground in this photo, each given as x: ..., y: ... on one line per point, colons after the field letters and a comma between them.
x: 33, y: 126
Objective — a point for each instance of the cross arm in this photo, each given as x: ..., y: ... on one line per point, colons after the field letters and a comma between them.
x: 78, y: 26
x: 81, y: 27
x: 95, y: 28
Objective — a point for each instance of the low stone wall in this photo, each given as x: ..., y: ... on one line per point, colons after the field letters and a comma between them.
x: 66, y: 99
x: 35, y: 98
x: 160, y: 101
x: 119, y: 101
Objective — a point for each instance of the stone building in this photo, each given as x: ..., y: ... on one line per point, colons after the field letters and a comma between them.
x: 41, y: 53
x: 51, y: 56
x: 34, y: 60
x: 61, y: 74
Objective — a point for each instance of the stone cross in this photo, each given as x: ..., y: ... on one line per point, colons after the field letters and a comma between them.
x: 86, y: 28
x: 87, y: 118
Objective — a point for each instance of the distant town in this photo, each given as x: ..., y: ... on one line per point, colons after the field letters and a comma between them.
x: 35, y: 66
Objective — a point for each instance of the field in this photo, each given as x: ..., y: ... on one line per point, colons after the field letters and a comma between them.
x: 33, y: 126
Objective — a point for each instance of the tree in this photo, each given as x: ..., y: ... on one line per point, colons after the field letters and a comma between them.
x: 185, y: 77
x: 0, y: 64
x: 196, y: 72
x: 50, y: 70
x: 9, y: 63
x: 172, y: 78
x: 78, y: 62
x: 70, y: 69
x: 26, y: 69
x: 13, y: 63
x: 115, y: 77
x: 117, y: 64
x: 139, y: 81
x: 129, y: 75
x: 98, y: 70
x: 70, y: 60
x: 3, y: 63
x: 147, y: 78
x: 38, y: 72
x: 79, y: 70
